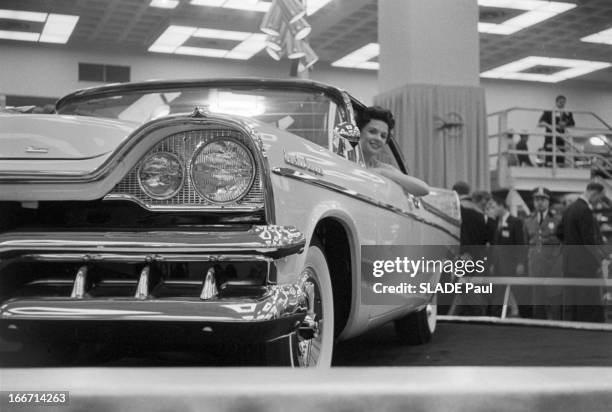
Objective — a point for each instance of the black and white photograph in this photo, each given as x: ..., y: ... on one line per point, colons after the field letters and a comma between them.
x: 306, y: 205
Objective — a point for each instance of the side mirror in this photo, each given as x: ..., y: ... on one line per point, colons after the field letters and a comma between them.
x: 348, y: 131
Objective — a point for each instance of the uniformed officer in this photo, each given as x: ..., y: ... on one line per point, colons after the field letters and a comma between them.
x: 544, y: 254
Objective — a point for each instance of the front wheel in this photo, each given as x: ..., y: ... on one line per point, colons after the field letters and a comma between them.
x: 312, y: 344
x: 417, y: 328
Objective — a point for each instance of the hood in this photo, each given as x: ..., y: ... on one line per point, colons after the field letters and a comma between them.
x: 59, y: 137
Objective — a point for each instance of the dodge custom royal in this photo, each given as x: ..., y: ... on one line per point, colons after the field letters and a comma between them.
x: 225, y: 212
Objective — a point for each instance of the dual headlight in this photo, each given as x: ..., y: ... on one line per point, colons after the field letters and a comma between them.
x: 221, y: 171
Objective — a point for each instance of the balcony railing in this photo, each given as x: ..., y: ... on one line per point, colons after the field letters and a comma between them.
x: 588, y: 145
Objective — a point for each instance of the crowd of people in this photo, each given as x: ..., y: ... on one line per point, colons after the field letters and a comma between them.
x: 544, y: 244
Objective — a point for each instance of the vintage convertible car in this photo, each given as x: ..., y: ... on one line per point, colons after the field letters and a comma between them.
x: 226, y: 212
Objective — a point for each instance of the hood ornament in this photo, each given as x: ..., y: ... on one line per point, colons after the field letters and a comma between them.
x: 200, y: 111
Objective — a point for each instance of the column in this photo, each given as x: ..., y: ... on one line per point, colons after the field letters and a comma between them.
x: 429, y: 77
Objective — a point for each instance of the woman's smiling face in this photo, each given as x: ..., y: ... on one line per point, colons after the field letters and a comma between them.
x: 374, y: 136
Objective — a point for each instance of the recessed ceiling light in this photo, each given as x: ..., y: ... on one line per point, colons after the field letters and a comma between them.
x: 57, y: 29
x: 312, y: 6
x: 567, y: 69
x: 251, y: 5
x: 359, y: 58
x: 22, y: 15
x: 604, y: 37
x: 19, y: 35
x: 536, y: 11
x: 201, y: 51
x: 252, y: 45
x: 222, y: 34
x: 173, y: 38
x: 164, y: 4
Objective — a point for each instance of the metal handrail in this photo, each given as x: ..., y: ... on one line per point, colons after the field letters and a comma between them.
x: 510, y: 281
x: 540, y: 110
x: 598, y: 162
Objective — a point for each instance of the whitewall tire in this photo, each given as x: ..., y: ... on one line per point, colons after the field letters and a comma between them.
x: 418, y: 328
x: 312, y: 345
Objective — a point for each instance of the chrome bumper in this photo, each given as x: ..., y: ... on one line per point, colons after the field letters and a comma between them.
x: 277, y: 313
x: 274, y: 311
x: 272, y: 241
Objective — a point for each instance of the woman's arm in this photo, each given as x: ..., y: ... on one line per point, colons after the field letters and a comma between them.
x: 413, y: 185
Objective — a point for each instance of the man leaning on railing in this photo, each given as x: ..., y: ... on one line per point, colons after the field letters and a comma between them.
x: 555, y: 126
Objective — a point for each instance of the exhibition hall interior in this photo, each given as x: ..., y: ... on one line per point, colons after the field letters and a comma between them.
x: 194, y: 193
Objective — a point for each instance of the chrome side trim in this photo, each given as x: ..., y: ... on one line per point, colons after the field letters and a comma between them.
x: 435, y: 211
x: 294, y: 174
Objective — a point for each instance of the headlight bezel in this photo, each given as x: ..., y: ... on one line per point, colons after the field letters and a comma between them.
x: 200, y: 147
x: 143, y: 187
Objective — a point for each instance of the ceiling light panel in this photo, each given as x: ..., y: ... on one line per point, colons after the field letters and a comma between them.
x: 570, y: 68
x: 536, y: 11
x: 57, y: 28
x: 19, y: 35
x: 251, y: 5
x: 22, y: 15
x: 603, y: 37
x: 255, y: 43
x: 201, y: 51
x: 221, y: 34
x: 172, y: 40
x: 359, y: 59
x: 312, y: 6
x: 164, y: 4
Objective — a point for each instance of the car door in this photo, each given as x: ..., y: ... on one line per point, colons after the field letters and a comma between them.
x: 398, y: 223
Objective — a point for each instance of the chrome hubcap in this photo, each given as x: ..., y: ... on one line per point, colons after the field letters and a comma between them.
x: 309, y: 344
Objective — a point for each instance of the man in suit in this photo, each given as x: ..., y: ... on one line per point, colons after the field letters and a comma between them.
x: 509, y: 254
x: 561, y: 120
x: 583, y: 255
x: 474, y: 236
x: 544, y: 257
x: 473, y: 221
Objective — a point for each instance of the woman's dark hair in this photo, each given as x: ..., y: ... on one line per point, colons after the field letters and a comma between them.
x: 378, y: 113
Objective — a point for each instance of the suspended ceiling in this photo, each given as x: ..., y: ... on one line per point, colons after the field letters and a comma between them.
x: 339, y: 27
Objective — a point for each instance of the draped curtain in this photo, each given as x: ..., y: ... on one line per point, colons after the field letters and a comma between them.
x: 441, y: 131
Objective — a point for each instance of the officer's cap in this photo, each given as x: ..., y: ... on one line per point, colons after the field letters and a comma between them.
x: 541, y: 192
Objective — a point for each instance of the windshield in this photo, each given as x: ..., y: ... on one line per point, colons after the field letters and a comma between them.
x: 304, y: 113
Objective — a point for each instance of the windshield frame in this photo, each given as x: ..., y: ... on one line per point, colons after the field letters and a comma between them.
x: 106, y: 91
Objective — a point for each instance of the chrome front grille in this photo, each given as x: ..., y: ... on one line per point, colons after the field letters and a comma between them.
x: 184, y: 145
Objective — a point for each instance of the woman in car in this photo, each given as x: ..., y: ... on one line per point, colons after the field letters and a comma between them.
x: 376, y: 124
